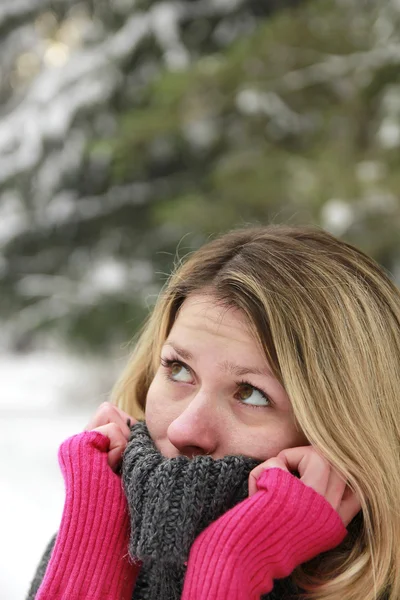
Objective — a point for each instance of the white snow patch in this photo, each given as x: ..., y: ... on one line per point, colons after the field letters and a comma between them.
x: 37, y: 414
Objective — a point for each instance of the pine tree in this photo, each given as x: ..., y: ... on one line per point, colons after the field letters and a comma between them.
x: 129, y: 129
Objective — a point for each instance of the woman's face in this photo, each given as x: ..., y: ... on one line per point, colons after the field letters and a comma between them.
x: 213, y: 392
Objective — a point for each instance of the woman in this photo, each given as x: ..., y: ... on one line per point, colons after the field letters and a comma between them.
x: 273, y: 353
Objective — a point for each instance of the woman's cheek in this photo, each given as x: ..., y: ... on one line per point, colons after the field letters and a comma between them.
x: 159, y: 410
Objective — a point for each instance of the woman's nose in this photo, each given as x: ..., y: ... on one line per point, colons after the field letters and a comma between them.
x: 195, y: 431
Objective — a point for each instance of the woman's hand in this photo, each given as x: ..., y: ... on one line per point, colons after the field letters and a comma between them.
x: 315, y: 472
x: 265, y: 537
x: 112, y: 422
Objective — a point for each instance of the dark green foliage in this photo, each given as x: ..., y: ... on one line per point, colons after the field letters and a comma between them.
x: 280, y: 116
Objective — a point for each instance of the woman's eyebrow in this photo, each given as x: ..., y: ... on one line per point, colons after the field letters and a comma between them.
x: 226, y: 365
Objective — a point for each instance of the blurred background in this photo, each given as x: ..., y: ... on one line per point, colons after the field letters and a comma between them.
x: 130, y: 132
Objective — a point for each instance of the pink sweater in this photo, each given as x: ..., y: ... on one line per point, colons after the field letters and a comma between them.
x: 237, y: 557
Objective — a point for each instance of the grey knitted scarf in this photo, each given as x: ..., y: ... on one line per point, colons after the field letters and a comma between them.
x: 170, y: 502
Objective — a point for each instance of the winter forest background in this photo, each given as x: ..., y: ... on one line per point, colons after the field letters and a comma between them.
x: 130, y: 132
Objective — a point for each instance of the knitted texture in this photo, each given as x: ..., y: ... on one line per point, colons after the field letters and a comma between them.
x: 146, y: 456
x: 236, y: 557
x: 284, y: 524
x: 41, y: 569
x: 90, y: 558
x: 171, y: 501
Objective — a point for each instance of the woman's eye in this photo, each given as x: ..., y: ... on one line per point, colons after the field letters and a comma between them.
x: 248, y: 394
x: 179, y: 373
x: 251, y: 396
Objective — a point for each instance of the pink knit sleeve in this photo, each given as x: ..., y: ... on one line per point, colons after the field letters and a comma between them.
x: 90, y: 558
x: 263, y: 538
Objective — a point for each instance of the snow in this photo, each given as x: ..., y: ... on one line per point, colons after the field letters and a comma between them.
x: 36, y: 415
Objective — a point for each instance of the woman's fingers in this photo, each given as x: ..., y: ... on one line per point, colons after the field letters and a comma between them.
x: 317, y: 473
x: 109, y: 413
x: 118, y: 443
x: 257, y: 471
x: 349, y: 506
x: 313, y: 469
x: 112, y: 422
x: 335, y: 489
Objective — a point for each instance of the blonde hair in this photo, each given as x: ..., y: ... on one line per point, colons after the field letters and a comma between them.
x: 328, y: 319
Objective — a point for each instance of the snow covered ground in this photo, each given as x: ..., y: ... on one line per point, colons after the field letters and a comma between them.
x: 45, y: 399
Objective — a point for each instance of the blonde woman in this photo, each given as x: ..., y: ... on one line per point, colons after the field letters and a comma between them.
x: 251, y: 449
